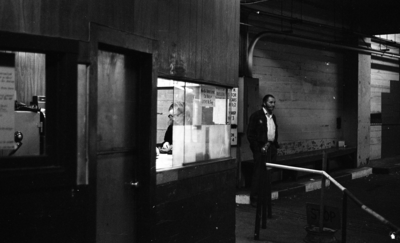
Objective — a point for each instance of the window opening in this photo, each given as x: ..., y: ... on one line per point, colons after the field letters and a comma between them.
x: 22, y: 103
x: 193, y: 123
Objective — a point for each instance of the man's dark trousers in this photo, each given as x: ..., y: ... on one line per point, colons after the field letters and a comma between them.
x: 260, y: 169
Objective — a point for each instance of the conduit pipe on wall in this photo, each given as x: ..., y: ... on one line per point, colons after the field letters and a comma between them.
x: 310, y: 41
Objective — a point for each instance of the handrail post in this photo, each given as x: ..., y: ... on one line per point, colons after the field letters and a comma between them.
x: 344, y: 216
x: 321, y: 210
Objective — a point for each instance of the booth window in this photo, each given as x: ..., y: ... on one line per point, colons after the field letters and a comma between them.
x: 193, y: 123
x: 38, y: 110
x: 22, y: 103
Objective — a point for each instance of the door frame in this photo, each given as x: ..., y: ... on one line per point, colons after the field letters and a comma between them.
x: 57, y: 167
x: 146, y: 47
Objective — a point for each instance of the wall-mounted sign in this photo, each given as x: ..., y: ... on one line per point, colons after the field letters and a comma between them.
x: 234, y: 114
x: 7, y: 100
x: 233, y: 106
x: 207, y: 96
x: 220, y: 93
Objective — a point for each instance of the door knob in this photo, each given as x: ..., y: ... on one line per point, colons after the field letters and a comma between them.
x: 134, y: 184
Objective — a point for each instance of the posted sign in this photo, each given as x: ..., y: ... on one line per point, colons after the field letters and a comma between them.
x: 331, y: 217
x: 233, y: 115
x: 207, y: 96
x: 7, y: 103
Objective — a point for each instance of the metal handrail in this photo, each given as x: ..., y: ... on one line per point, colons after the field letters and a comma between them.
x: 395, y: 229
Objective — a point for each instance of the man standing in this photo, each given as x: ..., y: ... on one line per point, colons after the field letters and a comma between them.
x: 262, y: 133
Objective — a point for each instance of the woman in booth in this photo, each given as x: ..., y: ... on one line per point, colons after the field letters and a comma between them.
x: 179, y: 114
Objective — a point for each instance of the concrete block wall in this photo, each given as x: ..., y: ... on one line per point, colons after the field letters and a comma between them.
x: 306, y: 83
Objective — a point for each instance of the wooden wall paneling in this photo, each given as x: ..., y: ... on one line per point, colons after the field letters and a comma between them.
x: 116, y: 105
x: 163, y: 34
x: 42, y: 216
x: 123, y: 40
x: 75, y: 21
x: 10, y: 15
x: 199, y: 33
x: 233, y: 40
x: 197, y: 39
x: 123, y: 9
x: 21, y: 85
x: 218, y: 43
x: 144, y: 17
x: 136, y: 17
x: 30, y: 21
x: 110, y: 13
x: 207, y: 40
x: 98, y: 10
x: 183, y: 41
x: 29, y: 76
x: 50, y: 20
x: 174, y: 48
x: 191, y: 62
x: 40, y: 74
x: 207, y: 215
x: 190, y: 36
x: 62, y: 18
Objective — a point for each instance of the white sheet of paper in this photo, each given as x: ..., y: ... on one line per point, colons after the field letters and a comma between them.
x: 7, y: 107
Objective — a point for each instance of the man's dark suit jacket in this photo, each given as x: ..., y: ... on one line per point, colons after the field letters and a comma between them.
x: 257, y: 131
x: 257, y: 134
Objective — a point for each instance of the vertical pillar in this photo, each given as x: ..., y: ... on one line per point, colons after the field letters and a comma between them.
x: 364, y: 108
x: 356, y: 103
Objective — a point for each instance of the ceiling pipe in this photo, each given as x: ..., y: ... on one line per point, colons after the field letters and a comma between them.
x: 310, y: 41
x: 292, y: 19
x: 315, y: 24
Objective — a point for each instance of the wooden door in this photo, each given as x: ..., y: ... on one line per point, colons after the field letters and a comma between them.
x: 116, y: 142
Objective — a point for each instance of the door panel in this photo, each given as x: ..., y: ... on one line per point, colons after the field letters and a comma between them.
x: 116, y: 101
x: 116, y: 136
x: 115, y: 199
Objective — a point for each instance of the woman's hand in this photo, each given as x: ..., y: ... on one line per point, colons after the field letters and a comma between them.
x: 166, y: 145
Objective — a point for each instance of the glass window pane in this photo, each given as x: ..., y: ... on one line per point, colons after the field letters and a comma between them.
x: 198, y: 119
x: 22, y: 103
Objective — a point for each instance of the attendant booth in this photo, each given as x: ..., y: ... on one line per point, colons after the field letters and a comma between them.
x: 195, y: 174
x: 200, y: 117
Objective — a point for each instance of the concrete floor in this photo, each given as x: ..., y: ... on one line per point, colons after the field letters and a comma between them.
x: 379, y: 191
